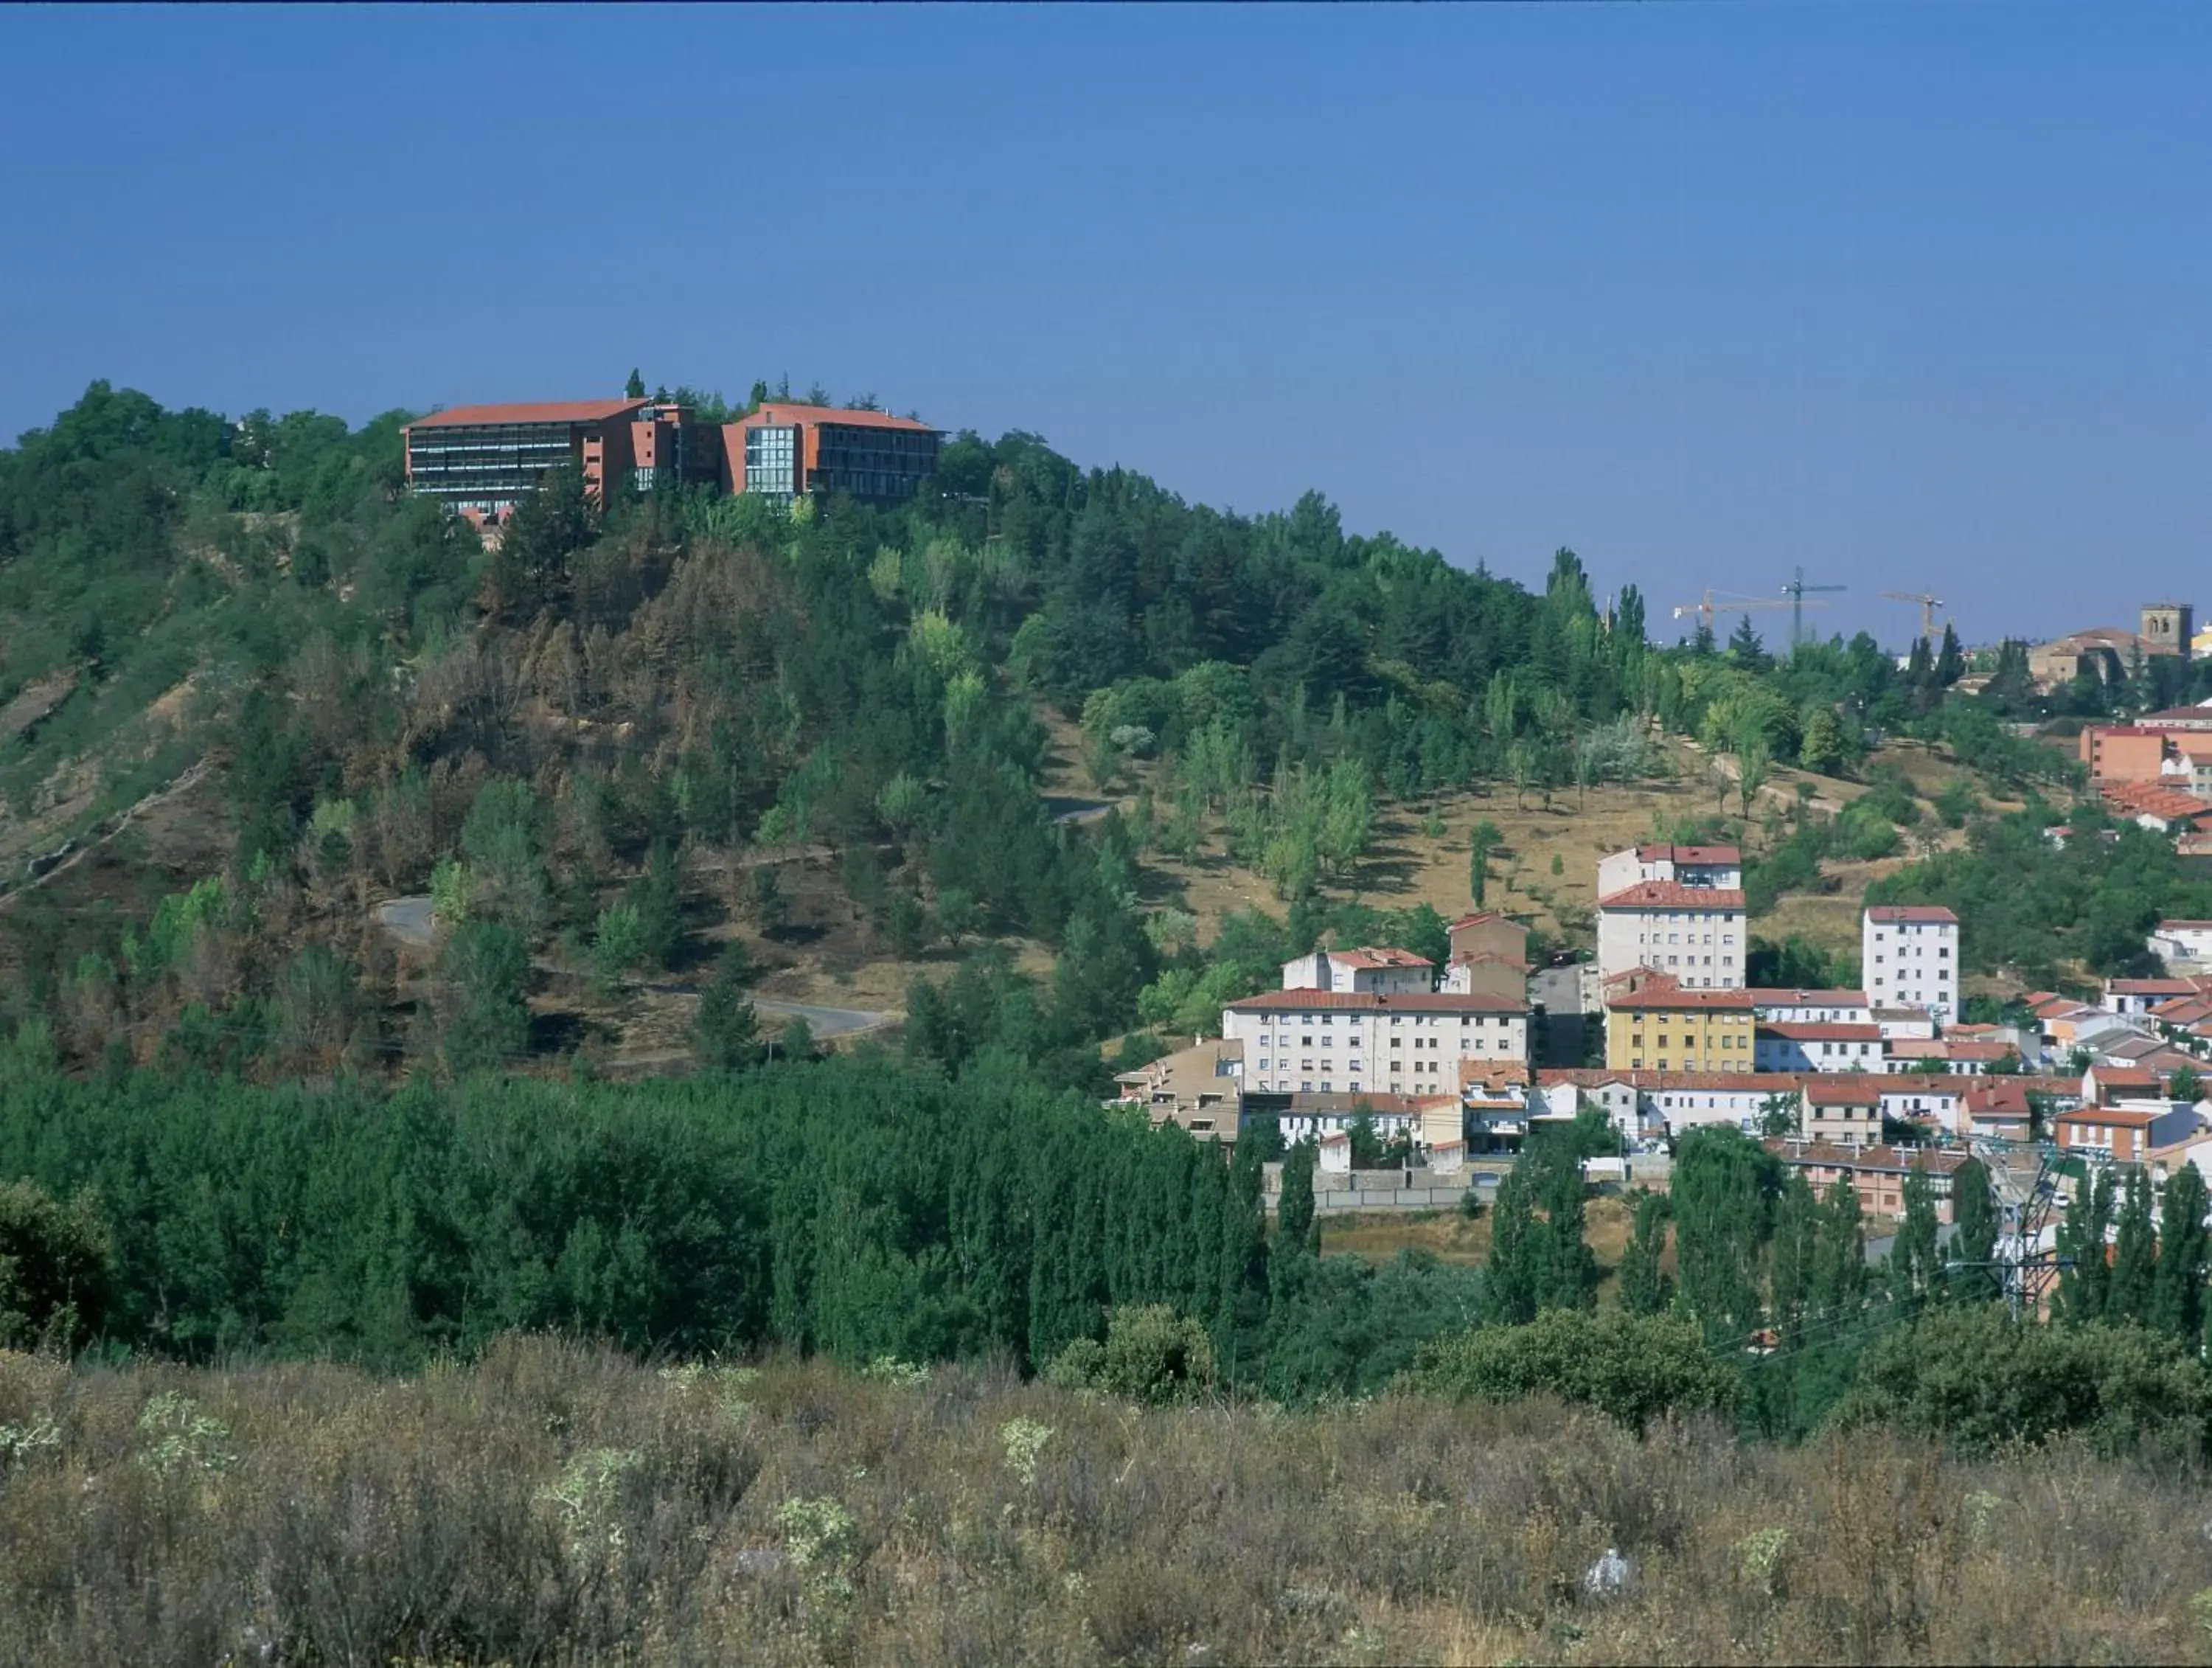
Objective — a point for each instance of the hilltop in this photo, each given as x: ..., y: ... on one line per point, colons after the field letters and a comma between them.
x: 1037, y: 724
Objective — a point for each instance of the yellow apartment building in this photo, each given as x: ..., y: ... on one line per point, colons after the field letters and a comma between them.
x: 1676, y: 1030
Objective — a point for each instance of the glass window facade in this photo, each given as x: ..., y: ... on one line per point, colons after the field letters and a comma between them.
x: 488, y: 468
x: 772, y: 462
x: 874, y: 462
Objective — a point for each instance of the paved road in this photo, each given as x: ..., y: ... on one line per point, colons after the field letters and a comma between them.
x: 409, y: 920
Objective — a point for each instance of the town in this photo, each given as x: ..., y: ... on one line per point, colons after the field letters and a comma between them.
x: 1450, y: 1065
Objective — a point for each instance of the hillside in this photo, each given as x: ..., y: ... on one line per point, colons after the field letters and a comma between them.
x: 656, y: 757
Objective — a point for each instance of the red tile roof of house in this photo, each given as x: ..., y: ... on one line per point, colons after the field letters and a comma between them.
x: 1425, y: 1002
x: 1838, y: 1090
x: 2125, y: 1077
x: 1698, y: 856
x: 1808, y: 1031
x: 2198, y: 715
x: 1591, y: 1077
x: 1324, y: 1100
x: 1775, y: 996
x: 1674, y: 1000
x: 1482, y: 915
x: 2178, y: 925
x: 1368, y: 956
x: 1888, y: 913
x: 1672, y: 895
x: 2125, y: 1117
x: 1885, y: 1158
x: 557, y: 410
x: 2167, y: 804
x: 2154, y: 987
x: 780, y: 414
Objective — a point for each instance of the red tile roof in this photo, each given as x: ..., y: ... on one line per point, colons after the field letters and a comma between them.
x: 1774, y: 997
x: 2128, y: 1118
x: 2154, y: 987
x: 1672, y: 895
x: 1888, y: 913
x: 783, y: 414
x: 1837, y: 1090
x: 2167, y: 804
x: 1371, y: 956
x: 1439, y: 1001
x: 2177, y: 925
x: 1700, y: 856
x: 557, y: 410
x: 1671, y: 1000
x: 1482, y: 915
x: 1591, y: 1077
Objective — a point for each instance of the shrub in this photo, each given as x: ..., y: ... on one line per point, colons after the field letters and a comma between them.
x: 1151, y: 1355
x: 1975, y: 1379
x: 1632, y: 1368
x: 56, y: 1266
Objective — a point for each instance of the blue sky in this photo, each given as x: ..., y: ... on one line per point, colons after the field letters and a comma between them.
x: 1913, y: 294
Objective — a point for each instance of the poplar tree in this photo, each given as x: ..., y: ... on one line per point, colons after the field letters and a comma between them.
x: 1974, y: 1236
x: 1645, y: 1286
x: 2176, y: 1305
x: 2134, y: 1253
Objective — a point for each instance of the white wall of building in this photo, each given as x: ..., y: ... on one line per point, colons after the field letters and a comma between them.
x: 1702, y: 947
x: 1912, y: 964
x: 1380, y: 1050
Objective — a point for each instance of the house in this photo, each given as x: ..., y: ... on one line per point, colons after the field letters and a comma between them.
x: 1694, y: 934
x: 1487, y: 933
x: 2142, y: 996
x: 1647, y: 1104
x: 1903, y: 1024
x: 1997, y: 1108
x: 1909, y: 956
x: 2162, y: 809
x: 2182, y: 943
x: 1800, y: 1046
x: 1428, y: 1121
x: 2126, y: 1132
x: 1819, y: 1007
x: 1876, y: 1174
x: 1198, y: 1087
x: 1663, y: 1028
x: 1964, y: 1057
x: 2106, y: 1085
x: 1368, y: 968
x: 1713, y: 866
x: 1309, y: 1041
x: 1845, y: 1111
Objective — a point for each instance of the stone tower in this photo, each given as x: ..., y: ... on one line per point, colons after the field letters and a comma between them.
x: 2167, y: 628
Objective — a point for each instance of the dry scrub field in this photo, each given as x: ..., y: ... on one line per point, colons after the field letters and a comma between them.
x: 559, y: 1504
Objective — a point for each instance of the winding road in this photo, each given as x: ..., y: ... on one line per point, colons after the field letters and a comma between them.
x: 410, y: 921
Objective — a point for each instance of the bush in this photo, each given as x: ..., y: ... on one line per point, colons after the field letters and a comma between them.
x: 56, y: 1264
x: 1151, y: 1354
x: 1634, y: 1369
x: 1975, y: 1379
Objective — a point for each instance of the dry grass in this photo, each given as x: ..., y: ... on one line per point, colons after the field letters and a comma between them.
x: 1377, y: 1236
x: 558, y: 1504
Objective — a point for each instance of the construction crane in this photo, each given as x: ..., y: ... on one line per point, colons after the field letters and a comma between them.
x: 1795, y: 590
x: 1706, y: 607
x: 1929, y: 601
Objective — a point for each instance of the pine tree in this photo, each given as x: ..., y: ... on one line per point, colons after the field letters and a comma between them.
x: 2176, y: 1305
x: 634, y: 388
x: 1839, y: 1270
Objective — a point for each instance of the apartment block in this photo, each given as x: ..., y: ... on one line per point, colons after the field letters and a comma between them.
x: 1720, y: 866
x: 1693, y: 933
x: 1661, y: 1028
x: 1322, y: 1041
x: 1909, y: 955
x: 1800, y: 1046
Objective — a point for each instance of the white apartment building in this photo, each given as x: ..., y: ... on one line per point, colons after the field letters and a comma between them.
x: 1720, y: 866
x: 1804, y: 1046
x: 1909, y: 955
x: 1308, y: 1041
x: 1368, y: 969
x: 1693, y: 933
x: 1775, y: 1005
x: 2183, y: 943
